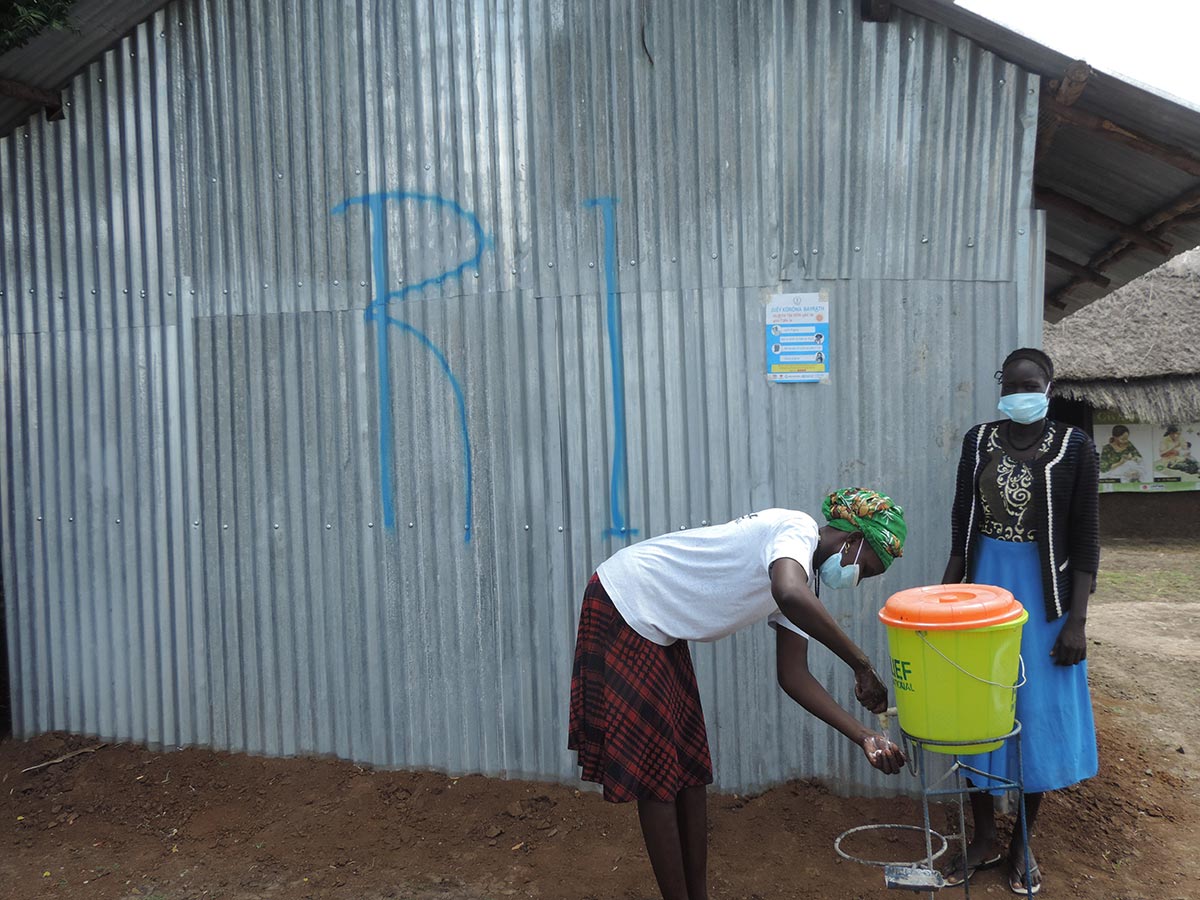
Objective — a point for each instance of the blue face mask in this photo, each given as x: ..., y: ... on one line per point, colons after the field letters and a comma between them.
x: 1025, y: 408
x: 835, y: 575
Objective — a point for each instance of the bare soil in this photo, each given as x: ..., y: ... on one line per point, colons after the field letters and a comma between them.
x: 124, y: 822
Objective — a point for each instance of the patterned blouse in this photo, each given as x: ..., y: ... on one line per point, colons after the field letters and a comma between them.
x: 1005, y: 491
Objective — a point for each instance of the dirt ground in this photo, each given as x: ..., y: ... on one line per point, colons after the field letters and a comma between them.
x: 123, y: 822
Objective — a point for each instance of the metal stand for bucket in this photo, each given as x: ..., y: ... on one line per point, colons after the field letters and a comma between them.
x: 925, y: 877
x: 921, y: 876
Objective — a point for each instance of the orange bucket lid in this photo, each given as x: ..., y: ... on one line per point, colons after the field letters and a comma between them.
x: 951, y: 607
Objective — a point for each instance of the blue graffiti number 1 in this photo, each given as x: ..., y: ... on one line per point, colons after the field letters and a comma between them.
x: 619, y: 484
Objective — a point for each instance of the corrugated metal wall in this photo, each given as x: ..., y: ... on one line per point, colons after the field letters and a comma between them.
x: 317, y: 320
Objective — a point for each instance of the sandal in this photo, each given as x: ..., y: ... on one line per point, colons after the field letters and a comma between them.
x: 1018, y: 884
x: 959, y: 873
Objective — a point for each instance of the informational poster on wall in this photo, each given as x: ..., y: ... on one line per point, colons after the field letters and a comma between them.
x: 797, y: 332
x: 1135, y: 456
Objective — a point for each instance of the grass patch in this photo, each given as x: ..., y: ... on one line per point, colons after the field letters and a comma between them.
x: 1153, y: 584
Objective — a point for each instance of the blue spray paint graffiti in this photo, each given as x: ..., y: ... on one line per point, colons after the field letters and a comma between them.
x: 618, y: 485
x: 376, y: 205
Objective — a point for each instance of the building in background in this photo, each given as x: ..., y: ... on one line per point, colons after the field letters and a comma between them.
x: 1131, y: 359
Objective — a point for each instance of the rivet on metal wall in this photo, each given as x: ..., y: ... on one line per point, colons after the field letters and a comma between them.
x: 124, y: 290
x: 526, y: 527
x: 224, y: 290
x: 673, y: 259
x: 225, y: 527
x: 796, y: 252
x: 1002, y: 81
x: 426, y: 167
x: 276, y: 526
x: 591, y: 265
x: 142, y: 293
x: 814, y: 251
x: 633, y: 262
x: 195, y: 523
x: 117, y: 521
x: 370, y: 524
x: 214, y: 181
x: 362, y: 284
x: 549, y: 265
x: 278, y: 174
x: 714, y: 256
x: 704, y: 521
x: 1020, y: 231
x: 170, y: 293
x: 476, y: 274
x: 955, y: 59
x: 856, y: 249
x: 560, y: 528
x: 70, y: 518
x: 335, y: 282
x: 265, y: 285
x: 970, y: 242
x: 411, y: 524
x: 924, y: 239
x: 328, y: 526
x: 513, y: 271
x: 39, y: 518
x: 299, y: 284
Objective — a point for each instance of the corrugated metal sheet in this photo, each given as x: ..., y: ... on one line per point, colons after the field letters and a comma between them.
x: 311, y: 322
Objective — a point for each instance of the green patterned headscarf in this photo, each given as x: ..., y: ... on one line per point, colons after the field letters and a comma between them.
x: 874, y: 514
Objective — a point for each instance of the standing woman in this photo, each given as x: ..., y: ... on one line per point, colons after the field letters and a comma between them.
x: 1025, y: 518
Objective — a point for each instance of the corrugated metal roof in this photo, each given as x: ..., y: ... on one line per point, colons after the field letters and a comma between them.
x: 1085, y: 165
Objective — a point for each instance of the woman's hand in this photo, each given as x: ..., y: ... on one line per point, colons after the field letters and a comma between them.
x: 869, y: 690
x: 882, y: 753
x: 1071, y: 647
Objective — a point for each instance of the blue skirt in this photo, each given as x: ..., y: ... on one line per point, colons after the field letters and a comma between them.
x: 1058, y: 735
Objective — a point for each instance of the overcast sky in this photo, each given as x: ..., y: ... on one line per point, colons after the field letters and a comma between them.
x: 1150, y: 41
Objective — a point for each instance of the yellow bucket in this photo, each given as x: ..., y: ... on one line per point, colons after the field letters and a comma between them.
x: 955, y: 658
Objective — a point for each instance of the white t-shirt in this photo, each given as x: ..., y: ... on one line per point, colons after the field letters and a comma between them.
x: 705, y: 583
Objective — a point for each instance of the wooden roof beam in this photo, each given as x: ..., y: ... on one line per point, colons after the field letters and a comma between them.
x: 1065, y: 91
x: 51, y: 101
x: 1174, y: 156
x: 1081, y: 272
x: 1156, y: 224
x: 1085, y: 213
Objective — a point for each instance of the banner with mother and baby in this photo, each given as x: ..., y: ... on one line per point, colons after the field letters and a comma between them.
x: 1136, y: 456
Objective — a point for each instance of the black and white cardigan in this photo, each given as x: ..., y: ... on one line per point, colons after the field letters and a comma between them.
x: 1065, y: 507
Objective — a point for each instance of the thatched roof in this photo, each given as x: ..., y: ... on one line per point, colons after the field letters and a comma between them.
x: 1138, y: 349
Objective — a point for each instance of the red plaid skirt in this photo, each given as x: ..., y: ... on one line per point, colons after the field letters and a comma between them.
x: 636, y: 719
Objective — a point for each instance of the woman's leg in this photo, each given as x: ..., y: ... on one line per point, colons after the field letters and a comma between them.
x: 983, y: 840
x: 660, y: 831
x: 692, y: 814
x: 1016, y: 848
x: 981, y: 851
